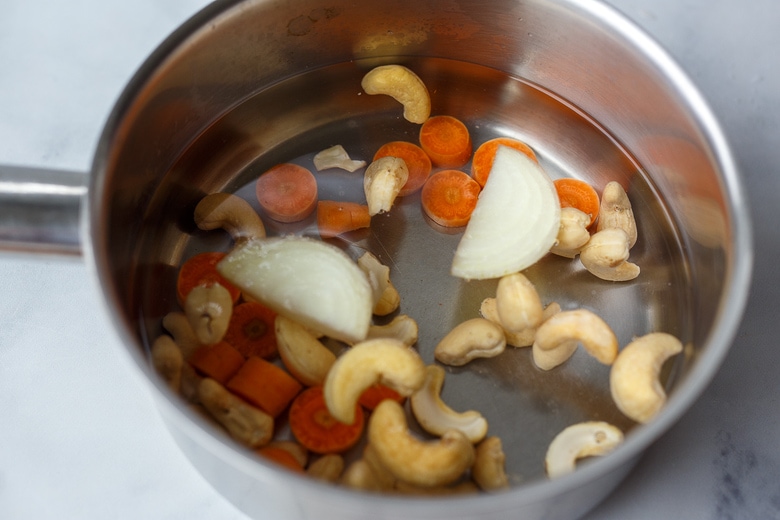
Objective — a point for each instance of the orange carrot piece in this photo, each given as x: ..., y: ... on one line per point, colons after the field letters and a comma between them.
x: 201, y: 269
x: 220, y: 361
x: 482, y: 161
x: 335, y: 218
x: 281, y: 457
x: 316, y: 429
x: 376, y: 393
x: 446, y: 140
x: 251, y: 330
x: 287, y: 192
x: 576, y: 193
x: 417, y: 162
x: 264, y: 385
x: 449, y: 197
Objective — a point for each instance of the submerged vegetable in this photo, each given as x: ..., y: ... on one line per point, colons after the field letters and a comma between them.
x: 514, y: 223
x: 306, y: 280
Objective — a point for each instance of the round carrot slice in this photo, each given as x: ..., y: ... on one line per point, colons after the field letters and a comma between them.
x: 576, y: 193
x: 446, y: 140
x: 287, y: 192
x: 417, y: 162
x: 201, y: 269
x: 316, y: 429
x: 376, y: 393
x: 251, y: 330
x: 449, y: 197
x: 482, y: 161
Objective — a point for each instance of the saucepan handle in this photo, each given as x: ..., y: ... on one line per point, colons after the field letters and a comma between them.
x: 40, y: 210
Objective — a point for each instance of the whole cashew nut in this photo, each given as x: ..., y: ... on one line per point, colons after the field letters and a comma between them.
x: 606, y: 256
x: 523, y: 338
x: 436, y: 417
x: 488, y: 471
x: 633, y: 379
x: 586, y: 439
x: 572, y: 234
x: 517, y: 303
x: 616, y: 212
x: 167, y: 360
x: 385, y: 296
x: 177, y: 324
x: 404, y: 86
x: 402, y: 327
x: 474, y: 338
x: 421, y: 463
x: 581, y: 326
x: 383, y: 360
x: 245, y: 423
x: 328, y: 468
x: 382, y: 182
x: 304, y: 356
x: 208, y: 309
x: 231, y: 213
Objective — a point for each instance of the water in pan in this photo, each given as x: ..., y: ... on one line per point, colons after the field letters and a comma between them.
x: 294, y: 119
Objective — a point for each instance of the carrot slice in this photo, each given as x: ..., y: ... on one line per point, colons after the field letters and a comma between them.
x: 482, y: 161
x: 376, y: 393
x: 264, y: 385
x: 446, y: 140
x: 417, y: 162
x: 576, y: 193
x: 220, y: 361
x: 201, y: 269
x: 449, y: 197
x: 281, y: 457
x: 335, y: 218
x: 287, y: 192
x: 316, y: 429
x: 251, y: 330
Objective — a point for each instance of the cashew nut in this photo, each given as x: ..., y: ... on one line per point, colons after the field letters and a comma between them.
x: 586, y: 439
x: 382, y: 182
x: 190, y: 382
x: 336, y: 157
x: 616, y: 212
x: 168, y: 360
x: 488, y: 470
x: 524, y: 338
x: 368, y: 473
x: 436, y: 417
x: 606, y: 256
x: 385, y: 296
x: 469, y: 340
x: 208, y: 309
x: 244, y: 422
x: 327, y: 468
x: 177, y: 324
x: 382, y: 360
x: 633, y: 379
x: 402, y: 327
x: 581, y: 326
x: 404, y: 86
x: 304, y: 356
x: 572, y: 234
x: 421, y: 463
x: 231, y: 213
x: 518, y: 304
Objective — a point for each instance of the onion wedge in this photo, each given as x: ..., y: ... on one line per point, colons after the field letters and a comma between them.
x: 515, y: 222
x: 308, y: 281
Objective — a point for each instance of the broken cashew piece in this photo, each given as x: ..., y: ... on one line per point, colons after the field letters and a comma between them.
x: 208, y: 309
x: 436, y: 417
x: 577, y: 326
x: 402, y: 327
x: 382, y: 182
x: 177, y: 324
x: 488, y: 471
x: 245, y: 423
x: 304, y: 356
x: 523, y: 338
x: 231, y: 213
x: 404, y: 86
x: 633, y: 379
x: 386, y: 298
x: 382, y: 360
x: 168, y: 361
x: 615, y: 212
x: 421, y: 463
x: 586, y: 439
x: 474, y: 338
x: 517, y: 303
x: 336, y: 157
x: 606, y: 256
x: 573, y: 233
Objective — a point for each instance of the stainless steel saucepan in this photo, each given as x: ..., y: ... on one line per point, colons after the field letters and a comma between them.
x: 247, y: 84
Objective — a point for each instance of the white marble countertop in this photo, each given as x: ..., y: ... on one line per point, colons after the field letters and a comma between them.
x: 80, y: 436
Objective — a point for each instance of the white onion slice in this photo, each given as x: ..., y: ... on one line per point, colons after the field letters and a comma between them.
x: 515, y: 222
x: 311, y: 282
x: 336, y: 157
